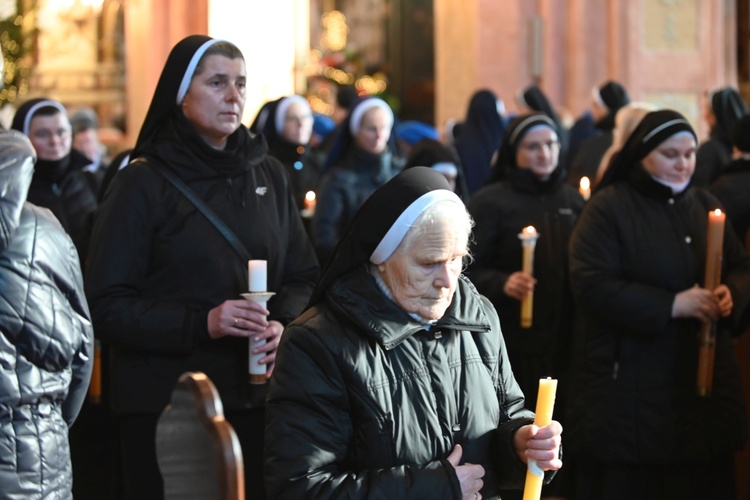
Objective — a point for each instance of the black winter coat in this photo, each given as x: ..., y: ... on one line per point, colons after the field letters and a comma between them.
x: 635, y: 367
x: 732, y: 188
x: 67, y: 192
x: 343, y: 189
x: 158, y: 266
x: 46, y: 338
x: 366, y: 403
x: 500, y: 211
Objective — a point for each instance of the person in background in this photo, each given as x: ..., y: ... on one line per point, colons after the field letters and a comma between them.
x: 46, y: 338
x: 606, y: 100
x: 59, y: 182
x: 722, y: 108
x: 443, y: 159
x: 164, y: 284
x: 288, y: 130
x: 527, y: 188
x: 481, y: 134
x: 395, y: 383
x: 637, y: 257
x: 363, y: 158
x: 323, y: 125
x: 733, y: 184
x: 627, y: 118
x: 532, y: 99
x: 408, y: 133
x: 85, y: 125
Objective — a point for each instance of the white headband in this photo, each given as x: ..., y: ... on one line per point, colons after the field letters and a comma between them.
x: 188, y: 76
x: 597, y: 96
x: 282, y: 108
x: 520, y: 127
x: 445, y: 168
x: 36, y: 107
x: 405, y: 221
x: 355, y: 122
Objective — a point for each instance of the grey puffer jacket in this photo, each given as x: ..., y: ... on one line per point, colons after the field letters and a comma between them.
x: 366, y: 403
x: 46, y: 337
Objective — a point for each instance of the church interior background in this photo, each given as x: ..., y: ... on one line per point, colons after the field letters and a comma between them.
x: 425, y: 57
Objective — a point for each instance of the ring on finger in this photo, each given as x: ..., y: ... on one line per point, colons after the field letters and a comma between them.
x: 236, y: 320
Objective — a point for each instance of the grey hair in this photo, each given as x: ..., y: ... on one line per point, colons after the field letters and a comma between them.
x: 441, y: 211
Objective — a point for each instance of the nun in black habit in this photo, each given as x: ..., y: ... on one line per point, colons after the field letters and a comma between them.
x: 723, y: 108
x: 164, y: 284
x: 362, y: 159
x: 606, y: 99
x: 532, y: 98
x: 395, y: 382
x: 59, y: 183
x: 637, y: 257
x: 482, y: 133
x: 288, y: 129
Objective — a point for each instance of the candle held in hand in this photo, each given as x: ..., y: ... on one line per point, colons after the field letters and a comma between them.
x: 257, y: 275
x: 714, y: 252
x: 528, y: 239
x: 545, y: 405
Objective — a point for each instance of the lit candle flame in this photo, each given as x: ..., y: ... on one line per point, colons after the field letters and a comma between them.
x: 717, y: 212
x: 585, y: 183
x: 310, y: 196
x: 529, y: 230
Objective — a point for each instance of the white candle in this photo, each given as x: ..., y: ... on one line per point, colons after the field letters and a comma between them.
x: 256, y: 275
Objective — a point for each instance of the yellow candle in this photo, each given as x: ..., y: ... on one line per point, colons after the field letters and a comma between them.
x: 585, y: 188
x: 545, y: 405
x: 714, y: 252
x: 528, y: 239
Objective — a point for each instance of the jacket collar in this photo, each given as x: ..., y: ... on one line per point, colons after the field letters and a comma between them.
x: 357, y: 296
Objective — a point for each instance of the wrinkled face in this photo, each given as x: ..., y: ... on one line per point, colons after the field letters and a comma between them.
x: 215, y: 99
x: 374, y: 131
x: 539, y: 151
x: 50, y: 136
x: 423, y: 272
x: 673, y: 160
x: 298, y: 124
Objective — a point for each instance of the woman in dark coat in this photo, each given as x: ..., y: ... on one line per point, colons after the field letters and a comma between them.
x: 164, y: 284
x: 722, y: 110
x: 733, y: 185
x: 59, y: 182
x: 531, y: 192
x: 482, y: 133
x: 362, y: 159
x: 288, y: 130
x: 395, y: 382
x: 46, y: 339
x: 607, y: 100
x: 533, y: 99
x: 637, y: 426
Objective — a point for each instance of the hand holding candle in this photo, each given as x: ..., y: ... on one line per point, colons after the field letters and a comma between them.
x: 714, y: 251
x: 528, y: 239
x: 257, y: 273
x: 544, y: 407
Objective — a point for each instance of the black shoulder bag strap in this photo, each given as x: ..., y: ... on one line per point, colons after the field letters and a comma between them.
x: 206, y: 211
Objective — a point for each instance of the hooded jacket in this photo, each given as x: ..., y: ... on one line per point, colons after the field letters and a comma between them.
x: 45, y: 336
